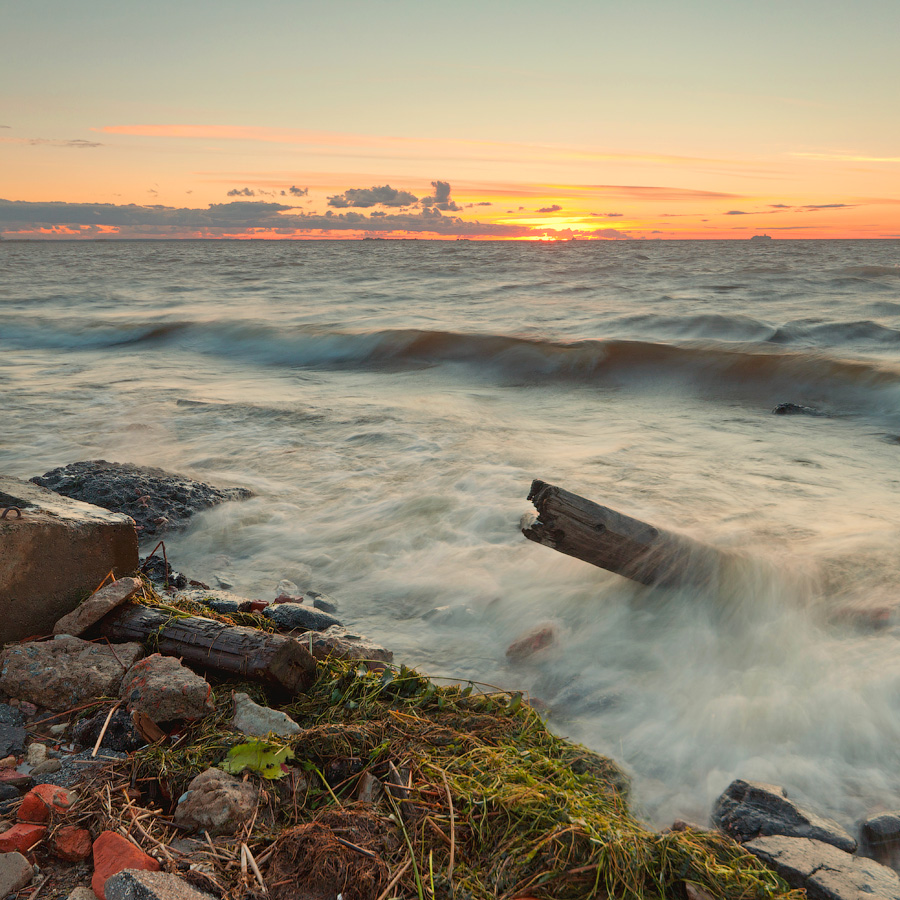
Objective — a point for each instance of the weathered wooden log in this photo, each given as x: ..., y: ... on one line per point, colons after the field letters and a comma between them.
x: 608, y: 539
x: 273, y: 659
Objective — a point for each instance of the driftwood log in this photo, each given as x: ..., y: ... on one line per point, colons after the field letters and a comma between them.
x: 608, y: 539
x: 273, y: 659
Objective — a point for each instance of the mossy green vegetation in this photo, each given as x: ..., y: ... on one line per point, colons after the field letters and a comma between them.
x: 480, y: 798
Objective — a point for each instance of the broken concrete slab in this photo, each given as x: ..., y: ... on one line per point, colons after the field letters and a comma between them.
x: 258, y: 721
x: 53, y: 552
x: 167, y: 691
x: 65, y: 672
x: 97, y: 606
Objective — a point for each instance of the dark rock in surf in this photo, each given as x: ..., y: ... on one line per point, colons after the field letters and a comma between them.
x: 793, y: 409
x: 881, y: 838
x: 297, y: 617
x: 751, y: 809
x: 158, y: 501
x: 826, y: 872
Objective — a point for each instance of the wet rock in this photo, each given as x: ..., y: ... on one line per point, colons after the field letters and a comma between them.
x: 65, y: 672
x: 339, y: 643
x: 792, y: 409
x: 84, y: 543
x: 75, y: 767
x: 749, y: 809
x: 136, y: 885
x: 826, y: 872
x: 322, y: 601
x: 258, y: 721
x: 453, y: 616
x: 120, y: 734
x: 158, y: 501
x: 881, y: 838
x: 12, y: 740
x: 219, y: 601
x: 72, y: 843
x: 15, y: 873
x: 298, y: 617
x: 97, y: 606
x: 165, y: 690
x: 112, y: 854
x: 216, y: 802
x: 538, y: 638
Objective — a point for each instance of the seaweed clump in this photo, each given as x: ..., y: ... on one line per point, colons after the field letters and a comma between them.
x: 402, y: 788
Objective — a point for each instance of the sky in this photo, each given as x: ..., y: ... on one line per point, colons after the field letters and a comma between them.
x: 480, y: 119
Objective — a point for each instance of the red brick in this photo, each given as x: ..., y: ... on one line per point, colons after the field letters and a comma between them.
x: 21, y: 837
x: 33, y: 810
x: 72, y: 843
x: 39, y: 802
x: 113, y: 853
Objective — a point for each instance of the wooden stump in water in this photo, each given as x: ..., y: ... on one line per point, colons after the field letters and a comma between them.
x: 611, y: 540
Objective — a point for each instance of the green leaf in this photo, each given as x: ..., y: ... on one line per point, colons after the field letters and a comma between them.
x: 262, y: 757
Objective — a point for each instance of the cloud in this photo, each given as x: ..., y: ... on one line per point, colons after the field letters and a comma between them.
x: 608, y: 215
x: 480, y: 203
x: 298, y: 192
x: 241, y: 192
x: 441, y: 198
x: 737, y: 212
x: 362, y: 198
x: 550, y: 209
x: 5, y: 126
x: 779, y: 206
x: 816, y: 206
x: 76, y: 144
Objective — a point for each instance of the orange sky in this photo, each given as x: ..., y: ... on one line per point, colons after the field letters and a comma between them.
x: 490, y: 121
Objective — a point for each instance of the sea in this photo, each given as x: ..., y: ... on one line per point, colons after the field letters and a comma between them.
x: 390, y: 403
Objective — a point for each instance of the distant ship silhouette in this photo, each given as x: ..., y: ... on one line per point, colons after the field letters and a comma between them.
x: 761, y: 237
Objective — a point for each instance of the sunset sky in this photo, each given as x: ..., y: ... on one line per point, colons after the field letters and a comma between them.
x: 477, y: 118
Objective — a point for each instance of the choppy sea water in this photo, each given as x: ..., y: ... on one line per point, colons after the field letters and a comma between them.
x: 390, y: 403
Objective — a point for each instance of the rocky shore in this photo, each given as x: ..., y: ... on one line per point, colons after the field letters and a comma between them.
x: 139, y: 768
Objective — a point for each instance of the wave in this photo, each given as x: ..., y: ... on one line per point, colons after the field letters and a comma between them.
x: 763, y: 365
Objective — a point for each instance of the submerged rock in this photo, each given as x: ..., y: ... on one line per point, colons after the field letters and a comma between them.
x: 793, y: 409
x: 750, y: 809
x: 158, y: 501
x: 881, y: 837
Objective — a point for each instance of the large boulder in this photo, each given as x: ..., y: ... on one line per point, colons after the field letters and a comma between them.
x: 158, y: 501
x: 53, y: 552
x: 826, y: 872
x: 750, y: 809
x: 65, y: 672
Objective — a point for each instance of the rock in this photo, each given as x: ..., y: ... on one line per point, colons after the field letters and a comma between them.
x: 136, y: 885
x: 337, y: 642
x: 157, y: 569
x: 74, y: 767
x: 22, y: 837
x: 82, y: 893
x: 322, y: 601
x: 97, y: 606
x: 538, y: 638
x: 297, y: 617
x: 72, y: 843
x: 826, y: 872
x: 47, y: 767
x: 749, y: 809
x: 112, y: 854
x: 12, y: 740
x: 792, y: 409
x: 84, y: 543
x: 158, y: 501
x: 166, y: 691
x: 258, y: 721
x: 9, y: 762
x: 14, y: 778
x: 65, y: 672
x: 10, y: 715
x: 9, y: 792
x: 455, y: 616
x: 881, y: 837
x: 221, y: 601
x: 120, y: 734
x: 217, y: 802
x: 15, y: 873
x: 37, y: 753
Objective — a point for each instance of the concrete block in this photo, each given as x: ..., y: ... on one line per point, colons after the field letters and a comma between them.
x: 54, y: 553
